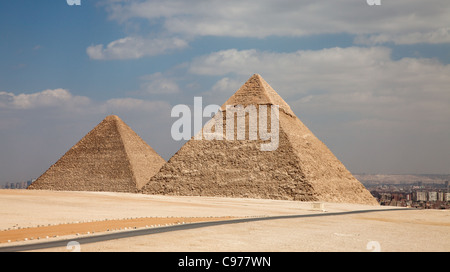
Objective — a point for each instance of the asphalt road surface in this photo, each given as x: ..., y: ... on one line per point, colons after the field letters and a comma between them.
x: 150, y: 231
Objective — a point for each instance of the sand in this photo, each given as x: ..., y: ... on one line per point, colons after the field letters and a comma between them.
x: 387, y: 230
x: 96, y: 227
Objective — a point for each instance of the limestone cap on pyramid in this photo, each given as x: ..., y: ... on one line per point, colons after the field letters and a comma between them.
x: 111, y: 157
x: 256, y: 91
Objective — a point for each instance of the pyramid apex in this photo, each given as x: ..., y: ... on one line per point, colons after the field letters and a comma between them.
x: 112, y: 118
x: 300, y: 168
x: 255, y: 77
x: 256, y: 91
x: 111, y: 157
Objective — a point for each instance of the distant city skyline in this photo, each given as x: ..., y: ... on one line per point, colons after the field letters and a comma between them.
x: 371, y: 82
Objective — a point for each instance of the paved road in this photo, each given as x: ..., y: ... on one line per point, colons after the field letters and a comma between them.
x: 150, y: 231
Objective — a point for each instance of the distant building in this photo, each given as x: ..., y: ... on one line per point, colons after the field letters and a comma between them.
x: 432, y: 196
x: 420, y: 196
x: 440, y: 196
x: 17, y: 185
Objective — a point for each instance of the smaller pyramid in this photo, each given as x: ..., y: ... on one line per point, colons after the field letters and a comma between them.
x: 111, y: 158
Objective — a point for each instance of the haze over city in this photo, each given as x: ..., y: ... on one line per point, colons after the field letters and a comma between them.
x: 372, y: 85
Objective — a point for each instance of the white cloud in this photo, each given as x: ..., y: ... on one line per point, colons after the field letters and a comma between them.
x: 228, y: 61
x: 263, y: 18
x: 438, y: 36
x: 223, y: 89
x: 48, y: 98
x: 134, y: 105
x: 134, y: 48
x: 365, y: 82
x: 38, y: 128
x: 158, y: 83
x: 62, y: 101
x: 226, y: 84
x: 375, y: 113
x: 177, y: 22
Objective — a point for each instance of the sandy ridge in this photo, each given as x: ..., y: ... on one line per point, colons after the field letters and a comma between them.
x: 54, y: 231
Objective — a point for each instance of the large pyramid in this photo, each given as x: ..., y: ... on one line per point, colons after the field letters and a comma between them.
x: 301, y: 168
x: 111, y: 157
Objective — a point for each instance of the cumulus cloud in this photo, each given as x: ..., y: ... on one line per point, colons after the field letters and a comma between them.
x: 63, y: 101
x: 375, y: 113
x: 177, y: 22
x: 158, y: 83
x: 226, y: 84
x: 135, y: 105
x: 47, y: 98
x: 438, y: 36
x: 413, y: 19
x: 134, y: 48
x: 366, y: 82
x: 38, y: 128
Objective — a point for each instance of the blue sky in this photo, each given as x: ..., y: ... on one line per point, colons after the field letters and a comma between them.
x: 370, y: 81
x: 45, y: 42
